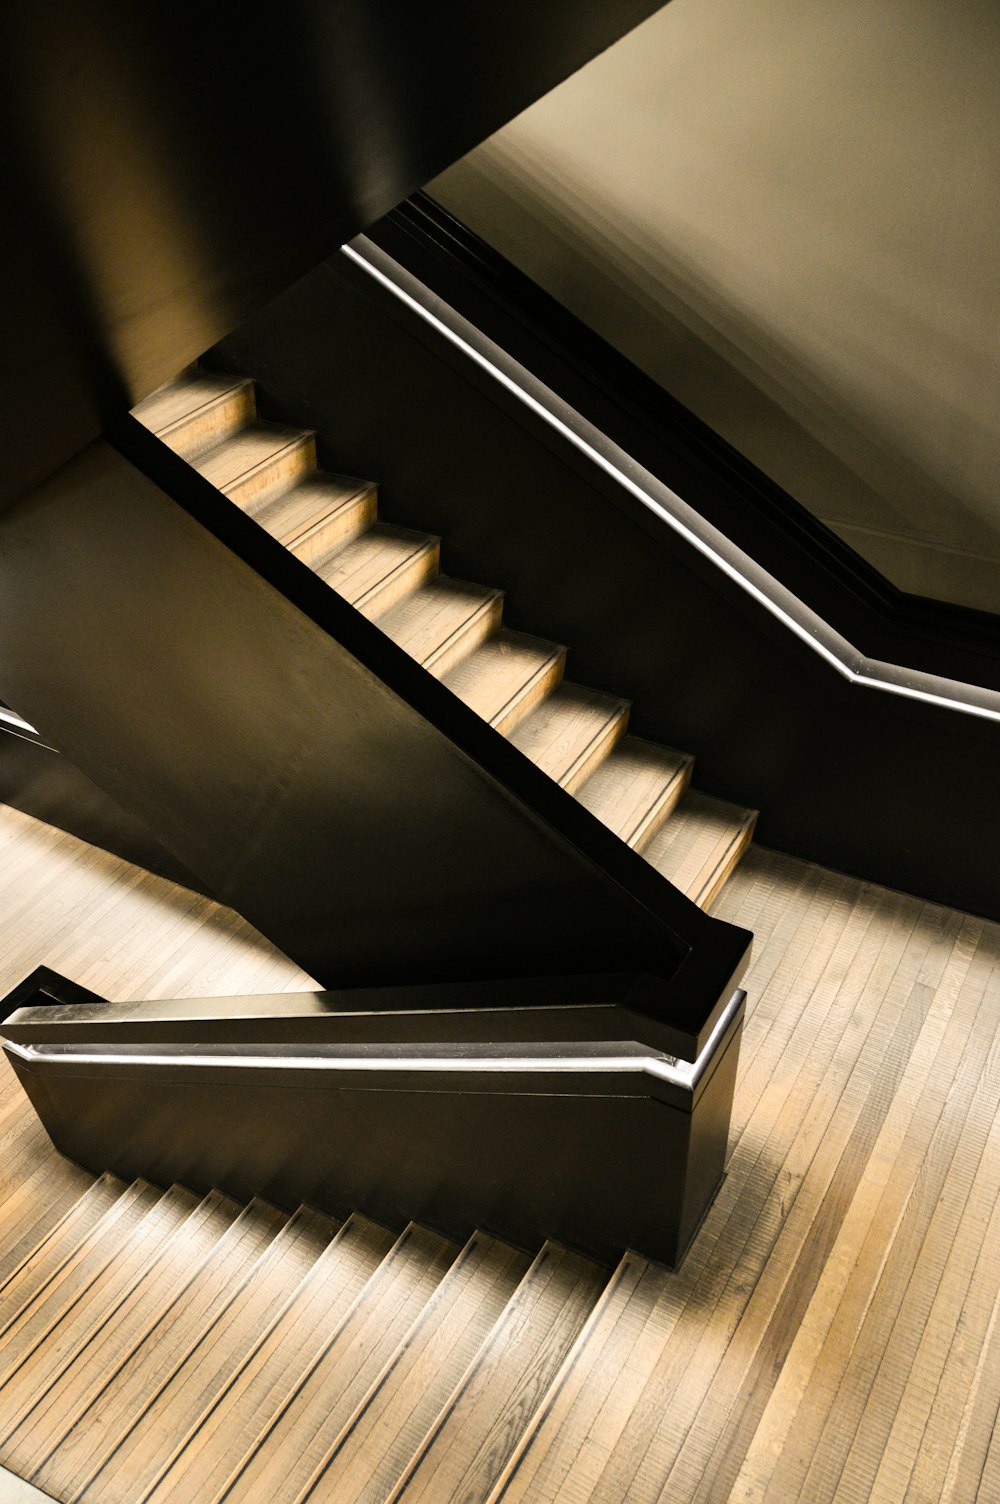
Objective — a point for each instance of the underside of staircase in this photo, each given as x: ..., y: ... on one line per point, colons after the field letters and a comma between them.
x: 454, y: 629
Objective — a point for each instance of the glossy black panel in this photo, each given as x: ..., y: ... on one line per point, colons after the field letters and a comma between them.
x: 866, y: 782
x: 599, y: 1007
x: 166, y: 170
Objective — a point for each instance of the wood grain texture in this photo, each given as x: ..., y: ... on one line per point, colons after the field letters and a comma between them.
x: 507, y: 677
x: 443, y: 622
x: 319, y: 515
x: 334, y: 1390
x: 470, y: 1441
x: 76, y: 1441
x: 365, y: 1462
x: 101, y: 1346
x: 198, y: 411
x: 571, y: 733
x: 128, y: 1464
x: 274, y: 1366
x: 700, y: 844
x: 256, y: 464
x: 378, y: 569
x: 834, y: 1332
x: 636, y: 788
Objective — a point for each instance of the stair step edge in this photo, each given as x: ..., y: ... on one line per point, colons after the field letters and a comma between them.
x: 103, y: 1185
x: 324, y: 1407
x: 587, y: 1281
x: 203, y: 411
x: 298, y: 1229
x: 569, y: 753
x: 259, y: 1224
x: 212, y: 1415
x: 481, y: 1279
x: 158, y: 1288
x: 26, y: 1386
x: 137, y: 1192
x: 614, y: 1296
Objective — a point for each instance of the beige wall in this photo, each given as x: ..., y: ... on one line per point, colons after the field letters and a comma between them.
x: 788, y: 213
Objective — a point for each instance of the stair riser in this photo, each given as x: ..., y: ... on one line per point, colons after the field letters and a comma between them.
x: 100, y: 1300
x: 715, y: 883
x: 212, y: 423
x: 406, y: 577
x: 85, y: 1373
x: 293, y: 463
x: 60, y: 1464
x: 348, y: 521
x: 532, y: 693
x: 600, y: 748
x: 657, y: 817
x: 461, y: 644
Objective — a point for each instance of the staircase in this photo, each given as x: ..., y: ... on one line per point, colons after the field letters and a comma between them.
x: 155, y: 1347
x: 454, y: 630
x: 160, y: 1346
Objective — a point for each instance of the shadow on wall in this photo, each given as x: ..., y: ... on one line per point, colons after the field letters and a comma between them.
x: 831, y: 408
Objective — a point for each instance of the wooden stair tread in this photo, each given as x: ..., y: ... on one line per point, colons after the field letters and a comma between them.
x: 571, y: 732
x: 168, y: 1266
x: 84, y: 1434
x: 372, y: 1453
x: 37, y: 1264
x: 375, y: 571
x: 473, y: 1437
x: 636, y: 788
x: 700, y: 844
x: 443, y: 621
x: 35, y: 1206
x: 253, y: 466
x: 119, y: 1472
x: 319, y: 514
x: 72, y: 1269
x: 198, y: 410
x: 560, y: 1454
x: 352, y: 1363
x: 64, y: 1325
x: 506, y: 678
x: 229, y: 1433
x: 37, y: 1188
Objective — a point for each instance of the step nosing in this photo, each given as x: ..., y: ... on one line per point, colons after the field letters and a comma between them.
x: 265, y: 463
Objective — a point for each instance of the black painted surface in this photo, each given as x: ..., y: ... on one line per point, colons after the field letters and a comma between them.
x: 600, y: 1159
x: 865, y: 782
x: 595, y: 1008
x: 41, y: 782
x: 776, y: 530
x: 360, y: 816
x: 165, y: 172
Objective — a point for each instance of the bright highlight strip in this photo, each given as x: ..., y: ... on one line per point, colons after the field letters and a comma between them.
x: 713, y: 545
x: 685, y: 1074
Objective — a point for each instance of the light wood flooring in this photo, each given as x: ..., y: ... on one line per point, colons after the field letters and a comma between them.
x: 833, y: 1333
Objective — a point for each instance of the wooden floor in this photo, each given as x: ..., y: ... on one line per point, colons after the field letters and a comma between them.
x: 834, y: 1332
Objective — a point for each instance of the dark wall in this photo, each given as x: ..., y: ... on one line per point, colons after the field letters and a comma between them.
x: 166, y: 171
x: 865, y: 782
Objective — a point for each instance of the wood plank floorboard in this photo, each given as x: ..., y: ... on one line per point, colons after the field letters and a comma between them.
x: 834, y: 1332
